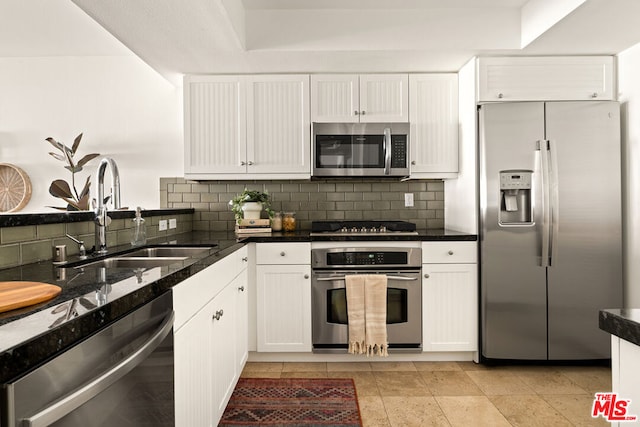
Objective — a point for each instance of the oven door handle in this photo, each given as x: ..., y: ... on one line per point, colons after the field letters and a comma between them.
x: 79, y: 397
x: 332, y: 278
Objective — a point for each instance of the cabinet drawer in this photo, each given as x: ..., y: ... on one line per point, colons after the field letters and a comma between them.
x: 449, y: 252
x: 283, y: 253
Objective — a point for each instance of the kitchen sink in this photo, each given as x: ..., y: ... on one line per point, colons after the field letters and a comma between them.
x: 168, y: 252
x: 133, y: 262
x: 147, y: 257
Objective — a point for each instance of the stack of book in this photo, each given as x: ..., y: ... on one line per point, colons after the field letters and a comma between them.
x: 253, y: 226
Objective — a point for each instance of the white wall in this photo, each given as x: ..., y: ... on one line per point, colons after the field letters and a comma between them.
x: 629, y: 88
x: 124, y: 108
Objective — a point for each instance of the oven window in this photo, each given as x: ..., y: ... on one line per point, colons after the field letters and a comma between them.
x: 397, y: 306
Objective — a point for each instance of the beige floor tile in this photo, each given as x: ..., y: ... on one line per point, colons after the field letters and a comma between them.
x: 450, y: 383
x: 260, y: 374
x: 304, y: 367
x: 473, y: 366
x: 301, y: 374
x: 500, y: 382
x: 414, y: 411
x: 393, y: 366
x: 593, y: 379
x: 576, y: 408
x: 401, y: 384
x: 437, y: 366
x: 529, y: 411
x: 372, y: 411
x: 365, y: 382
x: 550, y: 381
x: 263, y: 367
x: 348, y: 366
x: 466, y: 411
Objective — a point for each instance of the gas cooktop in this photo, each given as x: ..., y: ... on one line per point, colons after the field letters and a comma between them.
x: 362, y: 228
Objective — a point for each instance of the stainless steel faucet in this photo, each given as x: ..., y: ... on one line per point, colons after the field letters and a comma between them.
x: 102, y: 219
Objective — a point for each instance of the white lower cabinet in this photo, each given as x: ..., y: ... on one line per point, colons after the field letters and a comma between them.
x: 625, y: 376
x: 283, y: 295
x: 450, y: 296
x: 210, y: 340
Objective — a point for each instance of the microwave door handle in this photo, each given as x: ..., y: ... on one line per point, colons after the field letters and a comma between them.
x: 387, y: 151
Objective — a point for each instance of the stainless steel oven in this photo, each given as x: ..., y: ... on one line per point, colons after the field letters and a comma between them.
x: 404, y: 295
x: 121, y: 376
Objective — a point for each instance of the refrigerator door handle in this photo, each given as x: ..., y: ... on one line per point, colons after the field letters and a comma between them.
x: 553, y: 198
x: 543, y: 146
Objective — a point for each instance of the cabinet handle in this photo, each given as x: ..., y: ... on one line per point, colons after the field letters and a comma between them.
x: 306, y: 276
x: 594, y: 95
x: 450, y: 252
x: 357, y: 113
x: 500, y: 95
x: 218, y: 314
x: 245, y: 259
x: 282, y: 253
x: 241, y: 288
x: 243, y: 163
x: 250, y: 163
x: 362, y: 113
x: 426, y: 276
x: 413, y: 162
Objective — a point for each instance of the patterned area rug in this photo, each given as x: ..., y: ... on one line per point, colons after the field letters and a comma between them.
x: 293, y: 402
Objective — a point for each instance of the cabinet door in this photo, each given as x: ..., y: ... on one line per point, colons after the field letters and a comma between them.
x: 241, y: 285
x: 384, y: 98
x: 193, y: 385
x: 334, y: 98
x: 278, y: 126
x: 546, y: 78
x: 450, y: 307
x: 284, y: 308
x: 433, y: 100
x: 223, y: 318
x: 214, y: 124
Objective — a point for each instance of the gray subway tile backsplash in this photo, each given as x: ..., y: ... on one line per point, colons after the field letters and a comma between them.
x: 332, y: 199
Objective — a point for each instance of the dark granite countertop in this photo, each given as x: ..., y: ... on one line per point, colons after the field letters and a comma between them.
x: 89, y: 302
x: 22, y: 219
x: 622, y: 322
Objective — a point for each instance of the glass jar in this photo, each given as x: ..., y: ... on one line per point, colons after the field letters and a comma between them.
x: 276, y: 221
x: 289, y: 221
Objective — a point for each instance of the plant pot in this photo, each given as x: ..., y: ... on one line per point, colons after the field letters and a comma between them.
x: 252, y: 210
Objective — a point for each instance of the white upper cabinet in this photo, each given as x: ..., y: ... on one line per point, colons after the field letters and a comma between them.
x: 365, y: 98
x: 546, y: 78
x: 278, y: 126
x: 253, y: 127
x: 214, y: 125
x: 433, y: 117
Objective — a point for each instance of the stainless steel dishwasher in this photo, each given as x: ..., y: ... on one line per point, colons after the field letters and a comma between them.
x: 120, y: 376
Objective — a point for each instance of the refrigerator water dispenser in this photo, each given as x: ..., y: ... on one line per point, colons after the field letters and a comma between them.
x: 515, y: 197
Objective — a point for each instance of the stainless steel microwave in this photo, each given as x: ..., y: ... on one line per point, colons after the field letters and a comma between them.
x: 380, y: 154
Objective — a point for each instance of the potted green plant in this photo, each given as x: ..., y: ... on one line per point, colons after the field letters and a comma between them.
x: 250, y: 203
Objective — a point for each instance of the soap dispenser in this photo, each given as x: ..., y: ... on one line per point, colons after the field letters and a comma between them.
x: 138, y: 231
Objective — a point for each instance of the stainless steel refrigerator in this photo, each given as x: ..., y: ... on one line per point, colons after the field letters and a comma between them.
x: 550, y: 228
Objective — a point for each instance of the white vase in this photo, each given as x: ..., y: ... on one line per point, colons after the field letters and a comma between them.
x: 252, y: 210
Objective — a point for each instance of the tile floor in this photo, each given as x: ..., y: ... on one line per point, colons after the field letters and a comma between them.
x: 460, y: 393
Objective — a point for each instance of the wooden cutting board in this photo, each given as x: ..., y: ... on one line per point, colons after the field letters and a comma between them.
x: 23, y: 294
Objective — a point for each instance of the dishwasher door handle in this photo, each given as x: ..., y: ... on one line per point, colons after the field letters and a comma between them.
x: 330, y: 279
x: 80, y: 396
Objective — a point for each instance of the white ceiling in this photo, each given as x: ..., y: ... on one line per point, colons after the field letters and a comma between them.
x: 248, y: 36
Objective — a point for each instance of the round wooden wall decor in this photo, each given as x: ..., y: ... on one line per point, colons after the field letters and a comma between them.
x: 15, y: 188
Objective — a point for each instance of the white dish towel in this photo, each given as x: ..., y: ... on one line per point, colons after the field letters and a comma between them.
x: 367, y: 313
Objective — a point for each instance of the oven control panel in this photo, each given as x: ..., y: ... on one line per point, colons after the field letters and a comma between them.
x: 366, y: 258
